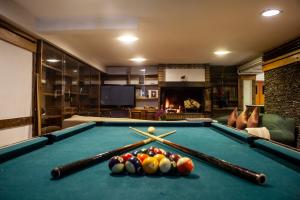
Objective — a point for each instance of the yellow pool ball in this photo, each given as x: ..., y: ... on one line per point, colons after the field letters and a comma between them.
x: 150, y: 165
x: 151, y: 129
x: 159, y: 157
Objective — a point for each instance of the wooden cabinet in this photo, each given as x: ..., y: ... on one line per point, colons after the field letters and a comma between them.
x: 68, y: 87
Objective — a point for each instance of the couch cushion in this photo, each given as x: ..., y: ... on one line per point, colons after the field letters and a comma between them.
x: 283, y: 136
x: 276, y: 122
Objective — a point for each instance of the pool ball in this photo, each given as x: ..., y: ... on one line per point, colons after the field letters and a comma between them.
x: 133, y: 165
x: 126, y: 156
x: 175, y: 157
x: 159, y: 157
x: 116, y: 164
x: 185, y: 166
x: 151, y: 153
x: 142, y: 156
x: 162, y: 151
x: 165, y: 165
x: 151, y: 148
x: 135, y: 153
x: 151, y: 129
x: 157, y: 151
x: 143, y: 150
x: 167, y: 153
x: 150, y: 165
x: 173, y: 169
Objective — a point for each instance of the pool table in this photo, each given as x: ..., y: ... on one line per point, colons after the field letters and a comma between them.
x: 25, y: 167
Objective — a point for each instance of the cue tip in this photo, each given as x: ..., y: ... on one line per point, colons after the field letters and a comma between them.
x: 55, y: 172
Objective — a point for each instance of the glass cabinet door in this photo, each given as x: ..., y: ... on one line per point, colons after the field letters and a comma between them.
x: 51, y: 88
x: 94, y: 94
x: 84, y: 89
x: 71, y: 86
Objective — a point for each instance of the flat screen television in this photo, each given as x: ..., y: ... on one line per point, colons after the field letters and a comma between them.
x: 117, y: 95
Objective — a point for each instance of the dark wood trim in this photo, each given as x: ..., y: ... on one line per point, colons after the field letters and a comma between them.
x: 15, y: 122
x: 17, y: 40
x: 5, y: 23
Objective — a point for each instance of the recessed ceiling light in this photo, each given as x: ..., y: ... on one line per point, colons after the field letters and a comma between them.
x: 221, y: 52
x: 127, y: 39
x: 270, y: 12
x: 52, y: 60
x: 138, y: 59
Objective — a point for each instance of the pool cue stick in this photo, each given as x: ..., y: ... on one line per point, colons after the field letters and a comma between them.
x: 253, y: 176
x: 61, y: 171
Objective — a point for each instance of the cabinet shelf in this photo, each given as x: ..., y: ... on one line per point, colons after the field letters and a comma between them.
x: 51, y: 94
x: 146, y: 99
x: 51, y: 116
x: 52, y: 68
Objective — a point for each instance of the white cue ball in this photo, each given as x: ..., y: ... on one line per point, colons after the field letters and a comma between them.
x: 151, y: 129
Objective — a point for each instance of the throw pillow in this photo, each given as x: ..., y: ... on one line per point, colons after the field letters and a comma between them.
x: 231, y: 121
x: 241, y: 122
x: 253, y: 119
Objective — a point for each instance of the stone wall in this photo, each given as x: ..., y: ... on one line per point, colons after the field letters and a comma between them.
x: 282, y: 91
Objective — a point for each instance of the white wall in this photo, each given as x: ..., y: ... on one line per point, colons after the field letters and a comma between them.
x: 194, y: 75
x: 247, y: 92
x: 15, y: 90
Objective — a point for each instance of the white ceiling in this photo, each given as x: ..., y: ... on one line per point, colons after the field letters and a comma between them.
x: 170, y: 31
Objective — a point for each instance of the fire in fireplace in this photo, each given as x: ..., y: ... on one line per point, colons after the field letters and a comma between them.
x: 182, y: 99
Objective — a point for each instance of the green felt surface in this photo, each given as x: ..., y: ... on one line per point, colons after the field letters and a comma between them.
x: 28, y: 176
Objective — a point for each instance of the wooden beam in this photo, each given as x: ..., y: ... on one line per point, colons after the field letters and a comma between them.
x: 17, y: 40
x: 15, y: 122
x: 282, y: 62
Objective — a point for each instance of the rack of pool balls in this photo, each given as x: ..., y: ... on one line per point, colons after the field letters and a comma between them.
x: 151, y: 161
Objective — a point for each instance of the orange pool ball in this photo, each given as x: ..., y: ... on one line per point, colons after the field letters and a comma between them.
x: 142, y: 157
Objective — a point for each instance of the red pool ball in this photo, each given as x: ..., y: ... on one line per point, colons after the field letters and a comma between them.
x: 185, y: 166
x: 157, y: 151
x: 126, y: 156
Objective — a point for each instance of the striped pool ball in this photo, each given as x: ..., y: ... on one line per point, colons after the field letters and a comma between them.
x: 133, y: 166
x: 185, y: 166
x: 116, y: 164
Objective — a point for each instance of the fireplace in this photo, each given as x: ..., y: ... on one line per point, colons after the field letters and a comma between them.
x: 182, y: 99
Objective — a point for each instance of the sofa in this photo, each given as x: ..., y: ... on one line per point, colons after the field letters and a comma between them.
x: 281, y: 129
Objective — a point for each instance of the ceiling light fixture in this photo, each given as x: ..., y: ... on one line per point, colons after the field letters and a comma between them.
x: 138, y: 59
x: 52, y: 60
x: 143, y: 70
x: 127, y: 39
x: 270, y: 12
x: 221, y: 52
